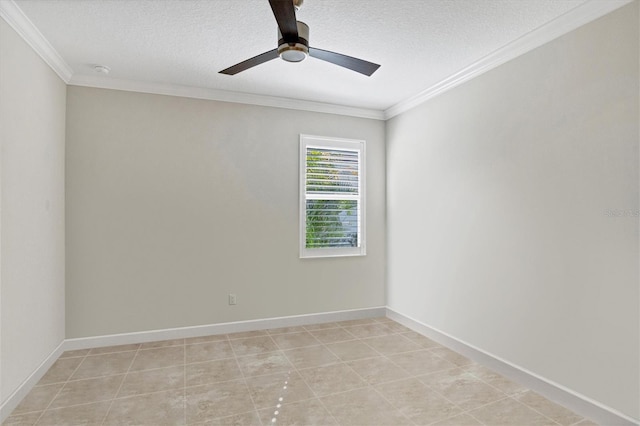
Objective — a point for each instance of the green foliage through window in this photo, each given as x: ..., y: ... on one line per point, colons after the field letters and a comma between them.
x: 332, y: 223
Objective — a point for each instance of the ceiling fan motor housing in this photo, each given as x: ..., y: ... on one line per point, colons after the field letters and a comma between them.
x: 295, y: 50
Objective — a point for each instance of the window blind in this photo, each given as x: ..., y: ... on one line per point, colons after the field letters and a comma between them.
x: 332, y: 192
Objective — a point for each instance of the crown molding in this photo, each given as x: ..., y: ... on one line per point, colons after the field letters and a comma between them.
x: 102, y: 82
x: 13, y: 15
x: 580, y: 15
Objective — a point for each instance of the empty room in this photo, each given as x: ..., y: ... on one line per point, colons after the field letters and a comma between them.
x: 320, y: 212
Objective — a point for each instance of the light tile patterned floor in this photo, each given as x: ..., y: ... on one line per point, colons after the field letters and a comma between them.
x: 361, y: 372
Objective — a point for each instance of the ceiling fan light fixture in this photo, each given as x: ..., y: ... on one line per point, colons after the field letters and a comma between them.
x: 298, y: 51
x: 293, y: 53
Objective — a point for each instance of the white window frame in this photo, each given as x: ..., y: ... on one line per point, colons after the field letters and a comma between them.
x: 310, y: 141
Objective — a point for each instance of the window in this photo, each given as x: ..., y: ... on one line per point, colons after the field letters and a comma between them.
x: 331, y: 197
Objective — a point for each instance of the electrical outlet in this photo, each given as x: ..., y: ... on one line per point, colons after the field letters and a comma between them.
x: 232, y: 299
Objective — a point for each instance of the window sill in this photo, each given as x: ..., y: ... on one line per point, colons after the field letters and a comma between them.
x: 321, y: 253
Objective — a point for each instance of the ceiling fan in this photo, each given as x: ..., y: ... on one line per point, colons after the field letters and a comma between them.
x: 293, y: 44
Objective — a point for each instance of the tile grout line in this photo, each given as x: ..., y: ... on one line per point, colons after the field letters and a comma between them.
x: 414, y: 376
x: 244, y: 379
x: 385, y: 356
x: 462, y: 410
x: 317, y: 342
x: 507, y: 396
x: 341, y: 361
x: 372, y: 387
x: 578, y: 422
x: 60, y: 390
x: 104, y: 376
x: 477, y: 376
x: 467, y: 411
x: 309, y: 387
x: 531, y: 408
x: 280, y: 402
x: 124, y: 377
x: 120, y: 374
x: 411, y: 375
x: 392, y: 404
x: 540, y: 412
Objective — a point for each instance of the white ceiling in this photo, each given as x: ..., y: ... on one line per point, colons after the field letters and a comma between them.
x: 419, y: 43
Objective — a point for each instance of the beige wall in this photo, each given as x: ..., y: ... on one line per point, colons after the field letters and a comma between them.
x: 498, y: 193
x: 173, y: 203
x: 32, y: 134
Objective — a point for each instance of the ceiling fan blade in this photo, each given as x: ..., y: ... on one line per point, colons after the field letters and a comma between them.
x: 285, y: 14
x: 355, y: 64
x: 249, y: 63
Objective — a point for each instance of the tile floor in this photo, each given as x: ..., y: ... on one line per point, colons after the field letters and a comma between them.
x: 361, y: 372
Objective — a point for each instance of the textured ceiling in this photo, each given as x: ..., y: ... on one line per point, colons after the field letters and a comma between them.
x: 186, y: 42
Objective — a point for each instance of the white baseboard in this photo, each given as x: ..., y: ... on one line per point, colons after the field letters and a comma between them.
x: 222, y: 328
x: 10, y: 404
x: 574, y: 401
